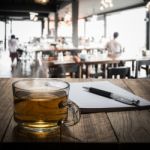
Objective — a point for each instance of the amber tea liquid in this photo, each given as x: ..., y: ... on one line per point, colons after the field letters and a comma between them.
x: 39, y: 111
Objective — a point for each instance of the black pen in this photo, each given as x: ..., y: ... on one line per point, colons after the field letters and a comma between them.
x: 113, y: 96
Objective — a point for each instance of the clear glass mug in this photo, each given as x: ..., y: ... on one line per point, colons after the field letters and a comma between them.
x: 42, y: 105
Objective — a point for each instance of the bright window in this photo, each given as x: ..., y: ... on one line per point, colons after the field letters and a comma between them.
x: 95, y: 28
x: 131, y: 27
x: 2, y: 30
x: 64, y: 29
x: 26, y: 30
x: 81, y: 24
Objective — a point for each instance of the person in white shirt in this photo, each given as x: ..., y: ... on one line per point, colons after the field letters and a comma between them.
x: 13, y: 46
x: 113, y: 46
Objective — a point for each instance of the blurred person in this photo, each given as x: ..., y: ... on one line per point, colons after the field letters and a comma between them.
x: 62, y: 42
x: 19, y: 49
x: 13, y: 46
x: 81, y: 42
x: 114, y: 47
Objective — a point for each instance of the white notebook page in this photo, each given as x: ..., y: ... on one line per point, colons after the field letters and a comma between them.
x: 90, y: 102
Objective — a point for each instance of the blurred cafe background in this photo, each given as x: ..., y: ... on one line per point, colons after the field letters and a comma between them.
x: 69, y: 38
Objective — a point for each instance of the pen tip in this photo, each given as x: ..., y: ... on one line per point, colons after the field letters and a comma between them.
x: 85, y: 87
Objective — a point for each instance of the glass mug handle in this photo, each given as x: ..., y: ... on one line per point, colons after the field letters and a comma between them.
x: 73, y: 113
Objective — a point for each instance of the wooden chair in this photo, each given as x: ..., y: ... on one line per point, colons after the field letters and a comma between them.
x: 121, y: 71
x: 62, y: 71
x: 143, y: 64
x: 99, y: 72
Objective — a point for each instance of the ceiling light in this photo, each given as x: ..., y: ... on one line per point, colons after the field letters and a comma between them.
x: 148, y: 6
x: 43, y: 2
x: 106, y: 4
x: 33, y: 16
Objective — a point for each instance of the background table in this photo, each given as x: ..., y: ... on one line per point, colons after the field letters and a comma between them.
x: 101, y: 127
x: 93, y: 61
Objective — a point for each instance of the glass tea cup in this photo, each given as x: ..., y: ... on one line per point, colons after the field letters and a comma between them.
x: 42, y: 105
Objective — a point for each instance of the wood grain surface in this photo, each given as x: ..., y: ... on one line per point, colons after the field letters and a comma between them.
x: 103, y: 127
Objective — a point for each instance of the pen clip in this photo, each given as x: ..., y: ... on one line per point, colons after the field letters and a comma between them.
x: 135, y: 102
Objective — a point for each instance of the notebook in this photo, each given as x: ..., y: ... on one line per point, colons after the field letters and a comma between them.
x: 89, y: 102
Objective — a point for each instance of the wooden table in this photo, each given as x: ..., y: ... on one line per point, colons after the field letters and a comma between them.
x: 102, y: 127
x: 105, y: 61
x: 68, y: 62
x: 136, y: 61
x: 93, y: 61
x: 64, y: 50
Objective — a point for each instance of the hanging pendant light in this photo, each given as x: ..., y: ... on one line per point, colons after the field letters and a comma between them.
x: 43, y: 2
